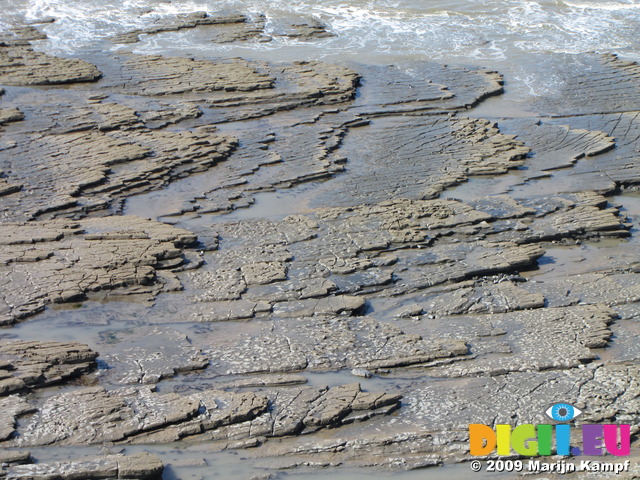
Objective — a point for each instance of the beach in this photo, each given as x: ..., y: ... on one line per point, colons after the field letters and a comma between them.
x: 290, y: 240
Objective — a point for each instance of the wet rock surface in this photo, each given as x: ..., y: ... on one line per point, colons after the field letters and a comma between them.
x: 139, y: 416
x: 232, y: 27
x: 60, y: 261
x: 142, y: 466
x: 40, y: 364
x: 20, y: 64
x: 148, y: 355
x: 234, y: 22
x: 605, y: 84
x: 315, y: 224
x: 88, y: 169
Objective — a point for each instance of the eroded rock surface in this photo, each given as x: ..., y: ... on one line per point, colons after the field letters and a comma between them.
x: 234, y: 27
x: 329, y: 262
x: 147, y: 355
x: 604, y: 84
x: 40, y: 364
x: 431, y: 154
x: 451, y: 305
x: 139, y: 466
x: 327, y: 343
x: 136, y: 415
x: 12, y: 407
x: 21, y: 65
x: 234, y: 22
x: 60, y: 261
x: 83, y: 171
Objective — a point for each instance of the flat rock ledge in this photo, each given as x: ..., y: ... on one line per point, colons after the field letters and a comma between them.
x: 233, y: 27
x: 60, y: 261
x: 40, y: 364
x: 139, y: 466
x: 138, y: 415
x: 21, y: 65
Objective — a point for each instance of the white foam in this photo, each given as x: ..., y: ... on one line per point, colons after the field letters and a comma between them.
x: 609, y: 6
x: 482, y: 31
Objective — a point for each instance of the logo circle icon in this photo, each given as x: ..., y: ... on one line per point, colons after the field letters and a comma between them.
x: 563, y: 412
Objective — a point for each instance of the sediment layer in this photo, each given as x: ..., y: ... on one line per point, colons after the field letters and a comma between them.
x: 447, y: 310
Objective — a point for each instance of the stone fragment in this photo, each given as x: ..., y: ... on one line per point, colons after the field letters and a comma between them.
x: 303, y: 28
x: 264, y: 272
x: 10, y: 115
x: 361, y: 372
x: 14, y: 457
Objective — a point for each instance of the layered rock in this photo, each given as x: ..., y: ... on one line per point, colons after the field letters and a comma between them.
x: 236, y: 23
x: 327, y: 262
x: 61, y: 261
x: 326, y: 343
x: 21, y: 65
x: 139, y: 466
x: 148, y: 355
x: 136, y: 415
x: 601, y: 84
x: 87, y: 170
x: 40, y: 364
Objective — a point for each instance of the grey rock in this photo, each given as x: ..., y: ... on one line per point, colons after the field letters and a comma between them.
x: 94, y: 416
x: 147, y: 355
x: 12, y: 407
x: 139, y: 466
x: 308, y: 409
x: 21, y: 65
x: 14, y: 457
x: 598, y: 84
x: 326, y: 343
x: 234, y: 24
x: 361, y: 372
x: 60, y: 261
x: 80, y: 171
x: 40, y: 364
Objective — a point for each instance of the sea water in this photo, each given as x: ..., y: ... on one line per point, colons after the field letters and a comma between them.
x: 512, y: 36
x: 524, y: 40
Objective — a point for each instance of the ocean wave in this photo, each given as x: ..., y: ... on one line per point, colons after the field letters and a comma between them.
x: 463, y: 31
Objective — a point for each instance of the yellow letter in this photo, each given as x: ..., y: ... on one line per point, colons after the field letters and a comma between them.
x: 504, y: 439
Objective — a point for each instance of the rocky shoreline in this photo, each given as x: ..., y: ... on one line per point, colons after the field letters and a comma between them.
x: 421, y: 312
